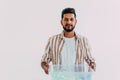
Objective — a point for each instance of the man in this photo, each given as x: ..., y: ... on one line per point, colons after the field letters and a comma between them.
x: 67, y: 48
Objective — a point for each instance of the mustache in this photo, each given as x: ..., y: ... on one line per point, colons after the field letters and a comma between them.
x: 68, y: 25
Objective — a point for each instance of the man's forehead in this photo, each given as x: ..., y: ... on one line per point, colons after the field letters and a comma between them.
x: 68, y: 15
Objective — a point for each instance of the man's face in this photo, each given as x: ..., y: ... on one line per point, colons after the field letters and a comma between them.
x: 68, y: 22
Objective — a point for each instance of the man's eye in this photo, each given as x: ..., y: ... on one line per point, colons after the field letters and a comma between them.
x: 72, y: 19
x: 65, y: 19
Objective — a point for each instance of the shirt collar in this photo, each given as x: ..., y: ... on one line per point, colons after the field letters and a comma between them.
x: 62, y: 35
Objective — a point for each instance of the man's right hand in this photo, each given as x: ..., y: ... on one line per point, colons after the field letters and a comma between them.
x: 45, y: 67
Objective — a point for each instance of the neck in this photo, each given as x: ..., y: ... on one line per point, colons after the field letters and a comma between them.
x: 69, y: 34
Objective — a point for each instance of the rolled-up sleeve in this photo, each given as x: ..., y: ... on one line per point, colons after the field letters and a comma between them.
x: 88, y: 56
x: 47, y: 56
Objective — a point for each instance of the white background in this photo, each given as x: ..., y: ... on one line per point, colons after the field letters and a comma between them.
x: 26, y: 25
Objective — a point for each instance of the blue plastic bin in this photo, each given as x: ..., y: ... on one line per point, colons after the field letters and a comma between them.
x: 77, y: 72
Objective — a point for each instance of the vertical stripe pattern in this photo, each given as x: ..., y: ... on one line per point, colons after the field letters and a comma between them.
x: 55, y: 44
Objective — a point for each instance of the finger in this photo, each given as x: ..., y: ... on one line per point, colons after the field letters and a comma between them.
x: 46, y: 71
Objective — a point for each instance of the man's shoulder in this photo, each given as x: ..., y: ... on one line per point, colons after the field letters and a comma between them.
x: 55, y: 36
x: 81, y: 36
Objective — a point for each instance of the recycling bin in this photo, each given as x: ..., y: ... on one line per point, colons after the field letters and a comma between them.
x: 76, y: 72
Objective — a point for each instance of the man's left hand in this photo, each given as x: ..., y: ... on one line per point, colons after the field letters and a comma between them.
x: 93, y: 66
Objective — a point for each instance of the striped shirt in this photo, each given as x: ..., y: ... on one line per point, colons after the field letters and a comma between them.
x: 55, y: 44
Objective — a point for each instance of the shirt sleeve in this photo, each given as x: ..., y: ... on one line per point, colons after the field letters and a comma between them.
x: 47, y: 56
x: 88, y: 56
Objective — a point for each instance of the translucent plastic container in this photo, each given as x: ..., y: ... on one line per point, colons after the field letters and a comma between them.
x: 77, y: 72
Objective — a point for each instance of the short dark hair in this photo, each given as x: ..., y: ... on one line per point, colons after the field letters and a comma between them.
x: 68, y: 10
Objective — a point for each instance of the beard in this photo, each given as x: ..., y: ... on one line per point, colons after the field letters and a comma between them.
x: 68, y: 30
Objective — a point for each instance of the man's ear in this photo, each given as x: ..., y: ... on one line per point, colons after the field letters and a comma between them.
x: 75, y: 21
x: 61, y: 21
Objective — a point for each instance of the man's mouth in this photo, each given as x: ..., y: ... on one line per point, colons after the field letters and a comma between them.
x: 68, y: 25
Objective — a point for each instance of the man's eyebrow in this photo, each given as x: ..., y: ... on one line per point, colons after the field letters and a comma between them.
x: 70, y: 18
